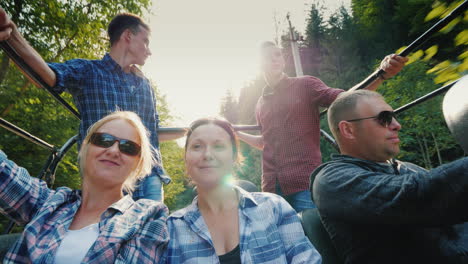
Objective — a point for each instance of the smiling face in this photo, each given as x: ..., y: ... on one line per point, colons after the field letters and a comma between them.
x: 372, y: 140
x: 108, y: 166
x: 209, y: 157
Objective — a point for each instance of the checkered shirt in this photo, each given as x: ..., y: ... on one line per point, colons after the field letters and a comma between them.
x: 100, y: 87
x: 270, y: 232
x: 289, y: 117
x: 129, y: 232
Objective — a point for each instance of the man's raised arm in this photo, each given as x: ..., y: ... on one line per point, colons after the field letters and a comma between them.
x: 392, y: 65
x: 9, y: 32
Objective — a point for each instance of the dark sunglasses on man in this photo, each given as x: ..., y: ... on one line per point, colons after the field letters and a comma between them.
x: 105, y: 140
x: 384, y: 118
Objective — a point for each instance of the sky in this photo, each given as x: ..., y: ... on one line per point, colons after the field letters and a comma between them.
x: 203, y: 48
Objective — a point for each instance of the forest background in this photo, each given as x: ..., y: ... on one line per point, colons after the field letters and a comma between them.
x: 341, y: 49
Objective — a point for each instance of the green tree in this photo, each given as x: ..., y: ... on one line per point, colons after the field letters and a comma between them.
x: 341, y: 66
x: 173, y: 156
x: 378, y: 32
x: 250, y: 168
x: 311, y: 50
x: 450, y: 54
x: 425, y: 138
x: 315, y: 29
x: 229, y: 107
x: 58, y: 30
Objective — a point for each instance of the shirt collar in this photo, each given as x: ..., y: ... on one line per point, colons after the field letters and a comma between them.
x: 188, y: 212
x: 270, y: 90
x: 111, y: 63
x: 246, y: 199
x: 123, y: 204
x: 191, y: 212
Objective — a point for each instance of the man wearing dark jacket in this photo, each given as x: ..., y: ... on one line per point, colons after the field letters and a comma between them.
x: 378, y: 210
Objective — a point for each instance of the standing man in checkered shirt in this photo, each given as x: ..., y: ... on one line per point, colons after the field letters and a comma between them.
x: 288, y: 112
x: 100, y: 87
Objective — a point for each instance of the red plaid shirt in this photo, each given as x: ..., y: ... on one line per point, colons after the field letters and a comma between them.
x: 289, y: 116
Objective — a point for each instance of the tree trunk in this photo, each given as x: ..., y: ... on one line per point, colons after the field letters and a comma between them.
x: 421, y: 148
x: 437, y: 148
x: 4, y: 63
x: 423, y: 152
x: 428, y: 158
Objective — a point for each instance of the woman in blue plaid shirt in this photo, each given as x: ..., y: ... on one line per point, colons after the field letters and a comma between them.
x: 98, y: 224
x: 225, y: 224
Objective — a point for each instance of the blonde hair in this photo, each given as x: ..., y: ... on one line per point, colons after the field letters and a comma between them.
x: 146, y: 157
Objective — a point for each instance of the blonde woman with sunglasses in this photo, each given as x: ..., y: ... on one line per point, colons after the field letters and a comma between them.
x: 110, y: 226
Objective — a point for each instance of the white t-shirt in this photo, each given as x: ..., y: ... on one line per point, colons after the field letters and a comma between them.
x: 76, y: 244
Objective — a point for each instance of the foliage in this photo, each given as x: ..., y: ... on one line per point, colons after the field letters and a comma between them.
x: 315, y: 30
x: 341, y: 64
x: 326, y: 148
x: 173, y: 156
x: 229, y: 107
x: 250, y: 168
x: 450, y: 69
x: 425, y: 138
x: 312, y: 49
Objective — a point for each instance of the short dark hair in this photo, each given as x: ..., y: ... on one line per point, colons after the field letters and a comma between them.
x: 265, y: 45
x: 124, y: 21
x: 344, y: 107
x: 225, y: 125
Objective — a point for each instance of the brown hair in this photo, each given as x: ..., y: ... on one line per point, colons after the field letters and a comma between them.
x: 124, y: 21
x: 225, y: 125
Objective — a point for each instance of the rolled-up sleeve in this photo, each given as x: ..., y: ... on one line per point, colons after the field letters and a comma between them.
x: 320, y: 92
x: 69, y: 74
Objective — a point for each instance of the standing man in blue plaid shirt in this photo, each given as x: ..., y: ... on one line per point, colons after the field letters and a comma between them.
x: 100, y: 87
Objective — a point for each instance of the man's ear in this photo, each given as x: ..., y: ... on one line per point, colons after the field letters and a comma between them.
x: 126, y: 35
x: 347, y: 129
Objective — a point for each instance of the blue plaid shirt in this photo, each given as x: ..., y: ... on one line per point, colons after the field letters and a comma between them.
x: 270, y: 232
x: 100, y: 87
x: 129, y: 232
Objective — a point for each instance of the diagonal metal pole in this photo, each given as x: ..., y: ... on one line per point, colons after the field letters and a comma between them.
x: 421, y: 39
x: 25, y: 134
x: 162, y: 130
x: 13, y: 55
x: 426, y: 97
x: 416, y: 43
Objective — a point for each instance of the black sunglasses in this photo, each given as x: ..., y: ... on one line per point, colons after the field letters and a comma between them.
x: 384, y: 118
x: 105, y: 140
